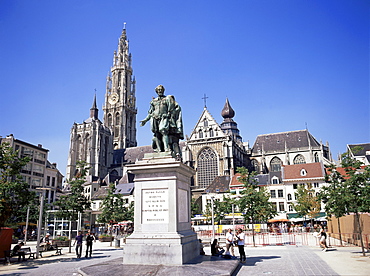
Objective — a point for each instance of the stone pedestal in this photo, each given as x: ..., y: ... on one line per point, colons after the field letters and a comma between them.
x: 162, y: 232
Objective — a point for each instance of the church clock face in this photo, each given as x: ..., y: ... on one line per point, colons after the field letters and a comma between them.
x: 113, y: 98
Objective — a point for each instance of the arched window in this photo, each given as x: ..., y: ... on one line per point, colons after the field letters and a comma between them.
x: 86, y: 147
x: 110, y: 119
x: 316, y: 156
x: 114, y: 172
x: 290, y: 208
x: 79, y: 148
x: 299, y: 159
x: 275, y: 164
x: 207, y: 168
x: 255, y: 165
x: 200, y: 134
x: 118, y: 121
x: 289, y: 197
x: 211, y: 134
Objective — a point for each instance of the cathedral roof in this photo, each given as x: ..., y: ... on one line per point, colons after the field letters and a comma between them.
x: 284, y: 141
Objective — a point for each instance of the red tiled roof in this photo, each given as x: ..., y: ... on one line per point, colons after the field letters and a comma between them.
x: 313, y: 170
x: 342, y: 171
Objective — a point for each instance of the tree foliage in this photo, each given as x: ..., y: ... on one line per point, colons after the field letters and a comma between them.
x: 333, y: 195
x: 356, y: 185
x: 356, y: 189
x: 195, y: 208
x: 75, y: 202
x: 254, y: 202
x: 220, y: 208
x: 114, y: 207
x: 308, y: 204
x: 14, y: 191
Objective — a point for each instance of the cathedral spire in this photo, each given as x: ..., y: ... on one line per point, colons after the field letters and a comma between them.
x: 94, y: 110
x: 120, y: 100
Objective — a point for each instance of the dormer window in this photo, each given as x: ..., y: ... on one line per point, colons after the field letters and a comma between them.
x: 275, y: 180
x: 303, y: 172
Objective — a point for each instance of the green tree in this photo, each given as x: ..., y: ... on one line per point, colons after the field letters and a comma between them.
x: 308, y: 204
x: 195, y: 208
x: 333, y: 196
x: 254, y: 201
x: 75, y: 202
x: 356, y: 189
x: 14, y: 191
x: 113, y: 207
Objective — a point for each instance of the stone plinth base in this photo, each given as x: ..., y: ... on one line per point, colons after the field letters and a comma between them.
x: 162, y: 232
x: 165, y: 248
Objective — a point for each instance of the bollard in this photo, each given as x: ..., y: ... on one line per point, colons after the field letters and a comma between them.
x: 117, y: 243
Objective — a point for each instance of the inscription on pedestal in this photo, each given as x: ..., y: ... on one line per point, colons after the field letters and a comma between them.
x: 155, y: 206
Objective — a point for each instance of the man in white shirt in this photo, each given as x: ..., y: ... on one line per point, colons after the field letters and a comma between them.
x: 230, y: 242
x: 241, y: 236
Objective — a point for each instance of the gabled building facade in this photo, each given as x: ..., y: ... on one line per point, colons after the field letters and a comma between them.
x: 213, y: 149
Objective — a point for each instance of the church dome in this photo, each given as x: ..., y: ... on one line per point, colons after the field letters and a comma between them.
x: 227, y: 111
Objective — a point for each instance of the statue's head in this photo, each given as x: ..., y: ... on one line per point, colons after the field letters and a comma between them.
x: 159, y: 89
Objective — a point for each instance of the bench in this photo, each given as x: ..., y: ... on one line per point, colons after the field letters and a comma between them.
x: 27, y: 251
x: 8, y: 254
x: 55, y: 247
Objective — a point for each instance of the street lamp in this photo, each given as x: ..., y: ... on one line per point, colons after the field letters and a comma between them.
x: 40, y: 220
x: 213, y: 221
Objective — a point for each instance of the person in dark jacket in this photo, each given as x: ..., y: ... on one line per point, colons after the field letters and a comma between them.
x: 18, y: 252
x: 89, y: 243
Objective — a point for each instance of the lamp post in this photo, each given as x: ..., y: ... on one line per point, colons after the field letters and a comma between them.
x: 39, y: 224
x: 213, y: 221
x: 25, y: 234
x: 233, y: 209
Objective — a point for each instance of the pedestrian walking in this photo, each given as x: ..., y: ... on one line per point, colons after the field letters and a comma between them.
x: 241, y: 237
x: 323, y: 237
x: 229, y: 242
x: 89, y: 243
x: 78, y: 240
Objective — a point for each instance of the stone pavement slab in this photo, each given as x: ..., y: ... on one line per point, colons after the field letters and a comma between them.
x: 202, y: 265
x: 284, y: 260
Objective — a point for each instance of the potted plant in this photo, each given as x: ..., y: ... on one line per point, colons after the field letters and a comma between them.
x: 61, y: 241
x: 105, y: 238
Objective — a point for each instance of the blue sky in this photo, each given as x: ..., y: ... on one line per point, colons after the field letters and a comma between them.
x: 281, y: 63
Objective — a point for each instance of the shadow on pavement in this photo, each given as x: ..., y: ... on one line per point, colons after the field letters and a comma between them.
x: 251, y: 261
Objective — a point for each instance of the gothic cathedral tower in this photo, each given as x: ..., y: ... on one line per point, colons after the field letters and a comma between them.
x: 120, y: 100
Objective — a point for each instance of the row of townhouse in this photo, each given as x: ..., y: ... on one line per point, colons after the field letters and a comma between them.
x: 40, y: 174
x: 282, y: 187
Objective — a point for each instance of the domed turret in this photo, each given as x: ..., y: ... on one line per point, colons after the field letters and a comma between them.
x: 227, y: 111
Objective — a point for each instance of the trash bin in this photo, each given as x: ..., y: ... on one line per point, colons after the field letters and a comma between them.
x: 117, y: 243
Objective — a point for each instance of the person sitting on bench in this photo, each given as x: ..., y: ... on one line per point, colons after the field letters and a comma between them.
x: 18, y: 252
